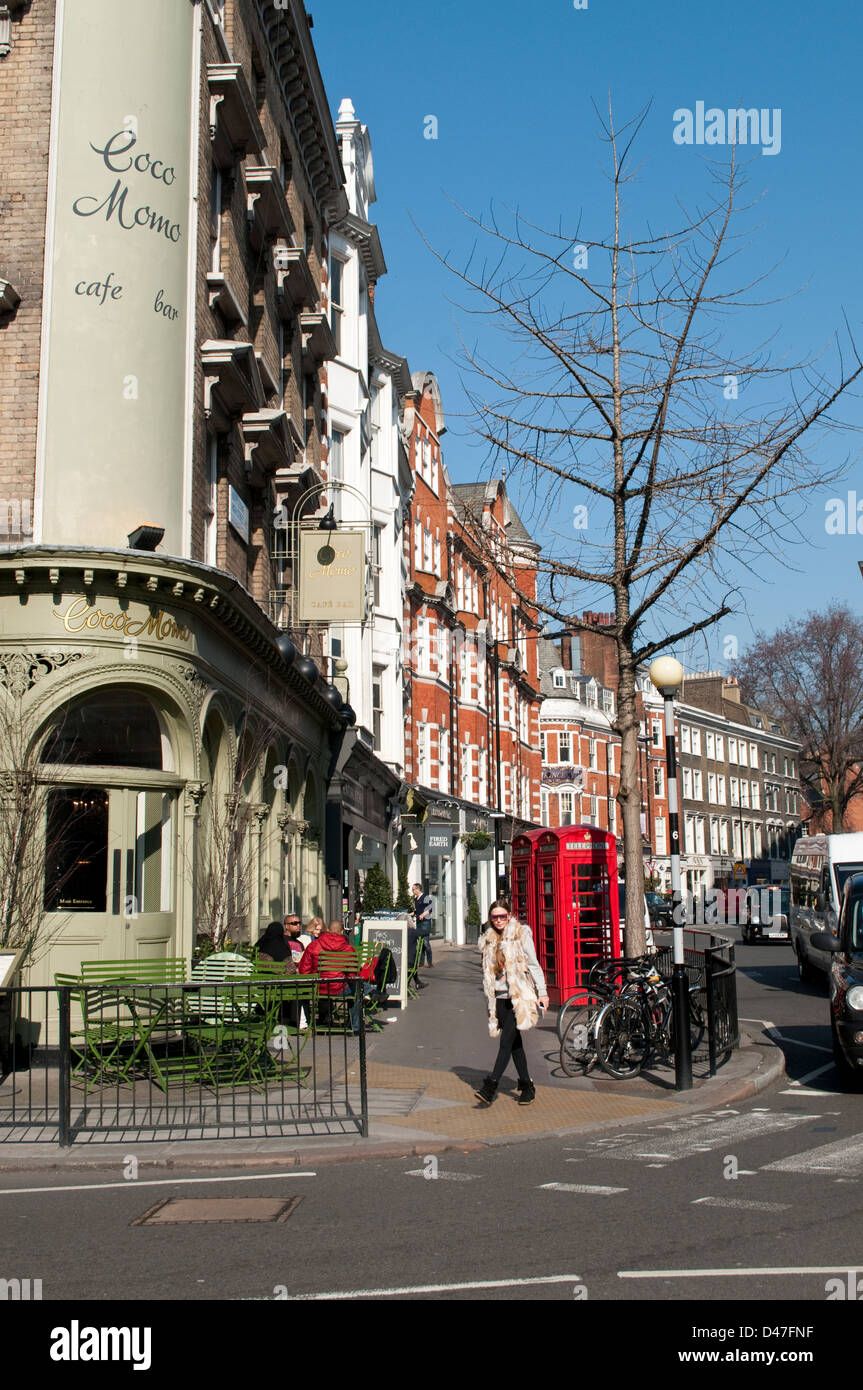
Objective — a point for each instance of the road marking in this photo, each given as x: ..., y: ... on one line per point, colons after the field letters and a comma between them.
x: 683, y: 1141
x: 808, y: 1093
x: 819, y: 1071
x: 131, y: 1183
x: 843, y: 1156
x: 754, y: 1273
x: 589, y: 1188
x: 740, y: 1203
x: 793, y: 1042
x: 436, y: 1288
x: 448, y: 1177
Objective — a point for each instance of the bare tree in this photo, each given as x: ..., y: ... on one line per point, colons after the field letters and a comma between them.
x: 810, y: 674
x: 223, y: 870
x: 620, y: 404
x: 34, y: 858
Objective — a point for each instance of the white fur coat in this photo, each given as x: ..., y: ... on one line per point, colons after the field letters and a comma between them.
x: 515, y: 942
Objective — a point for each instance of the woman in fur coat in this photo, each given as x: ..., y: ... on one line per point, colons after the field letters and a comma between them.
x: 515, y: 992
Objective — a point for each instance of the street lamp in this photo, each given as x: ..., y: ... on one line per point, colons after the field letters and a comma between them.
x: 667, y: 675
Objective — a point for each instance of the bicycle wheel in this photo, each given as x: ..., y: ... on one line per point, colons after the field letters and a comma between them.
x: 697, y: 1022
x: 575, y: 1002
x: 622, y: 1041
x: 578, y: 1045
x: 697, y: 1025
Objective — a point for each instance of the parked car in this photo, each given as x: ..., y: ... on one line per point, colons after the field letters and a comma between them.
x: 820, y: 867
x: 845, y: 953
x: 661, y: 910
x: 773, y: 925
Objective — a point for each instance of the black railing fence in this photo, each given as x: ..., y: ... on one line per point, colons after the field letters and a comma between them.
x: 709, y: 961
x: 240, y: 1059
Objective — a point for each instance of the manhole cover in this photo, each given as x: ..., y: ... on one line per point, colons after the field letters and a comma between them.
x: 182, y: 1210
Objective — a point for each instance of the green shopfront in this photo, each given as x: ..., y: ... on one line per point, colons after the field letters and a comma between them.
x: 162, y: 724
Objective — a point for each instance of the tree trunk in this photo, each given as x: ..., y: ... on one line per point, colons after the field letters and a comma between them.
x: 634, y: 943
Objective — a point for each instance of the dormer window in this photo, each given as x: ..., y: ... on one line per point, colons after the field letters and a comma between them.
x: 559, y: 680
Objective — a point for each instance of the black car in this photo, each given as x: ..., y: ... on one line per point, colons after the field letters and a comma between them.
x: 768, y: 915
x: 846, y: 983
x: 661, y: 910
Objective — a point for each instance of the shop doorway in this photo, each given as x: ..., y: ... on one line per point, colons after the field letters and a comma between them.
x: 110, y: 833
x: 110, y: 872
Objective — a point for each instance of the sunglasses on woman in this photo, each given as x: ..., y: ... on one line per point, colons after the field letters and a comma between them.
x: 499, y: 916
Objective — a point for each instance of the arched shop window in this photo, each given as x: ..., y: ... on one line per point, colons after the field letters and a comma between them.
x: 108, y: 728
x: 111, y: 728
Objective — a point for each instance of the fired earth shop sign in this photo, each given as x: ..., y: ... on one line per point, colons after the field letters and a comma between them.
x: 113, y: 411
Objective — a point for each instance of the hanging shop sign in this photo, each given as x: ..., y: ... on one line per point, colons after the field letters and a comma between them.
x: 332, y: 576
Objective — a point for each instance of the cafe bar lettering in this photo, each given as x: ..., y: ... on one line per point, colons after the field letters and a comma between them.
x: 117, y: 155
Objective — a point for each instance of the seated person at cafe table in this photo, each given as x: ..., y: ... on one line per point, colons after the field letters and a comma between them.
x: 293, y: 928
x: 331, y: 986
x: 273, y: 945
x: 314, y: 927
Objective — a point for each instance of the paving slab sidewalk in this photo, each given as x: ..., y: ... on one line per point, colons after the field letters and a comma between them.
x: 422, y: 1070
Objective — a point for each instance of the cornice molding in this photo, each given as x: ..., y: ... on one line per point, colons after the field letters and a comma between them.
x: 366, y: 238
x: 286, y: 30
x: 183, y: 585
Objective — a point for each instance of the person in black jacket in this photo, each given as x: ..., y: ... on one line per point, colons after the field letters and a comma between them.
x: 423, y: 909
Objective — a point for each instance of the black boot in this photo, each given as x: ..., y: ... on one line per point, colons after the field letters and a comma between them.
x: 487, y: 1091
x: 527, y: 1092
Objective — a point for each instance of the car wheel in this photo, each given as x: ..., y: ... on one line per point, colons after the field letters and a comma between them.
x: 850, y: 1077
x: 806, y: 973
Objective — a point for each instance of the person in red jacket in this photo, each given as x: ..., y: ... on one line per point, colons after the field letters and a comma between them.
x: 332, y: 985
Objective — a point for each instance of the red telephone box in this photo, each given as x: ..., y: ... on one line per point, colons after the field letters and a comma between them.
x: 564, y: 885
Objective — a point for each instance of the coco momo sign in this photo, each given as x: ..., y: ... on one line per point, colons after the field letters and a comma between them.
x: 112, y: 407
x: 332, y: 576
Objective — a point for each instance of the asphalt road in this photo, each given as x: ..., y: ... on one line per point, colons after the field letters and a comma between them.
x: 759, y: 1202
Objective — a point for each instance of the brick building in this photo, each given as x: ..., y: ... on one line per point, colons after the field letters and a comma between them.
x: 581, y: 752
x: 471, y: 671
x: 741, y: 800
x: 168, y: 195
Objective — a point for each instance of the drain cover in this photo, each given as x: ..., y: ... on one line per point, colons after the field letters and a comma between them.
x: 182, y: 1210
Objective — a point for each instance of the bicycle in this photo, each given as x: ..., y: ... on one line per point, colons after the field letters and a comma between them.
x: 638, y: 1025
x: 604, y: 980
x: 580, y: 1014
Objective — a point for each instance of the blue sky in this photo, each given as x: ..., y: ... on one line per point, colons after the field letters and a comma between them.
x: 512, y: 87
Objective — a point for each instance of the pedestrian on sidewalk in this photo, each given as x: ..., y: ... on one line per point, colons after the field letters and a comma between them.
x: 423, y: 910
x: 515, y: 992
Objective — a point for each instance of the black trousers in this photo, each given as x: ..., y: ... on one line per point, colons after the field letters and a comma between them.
x: 511, y: 1044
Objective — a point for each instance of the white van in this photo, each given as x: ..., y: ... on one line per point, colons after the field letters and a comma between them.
x: 820, y: 865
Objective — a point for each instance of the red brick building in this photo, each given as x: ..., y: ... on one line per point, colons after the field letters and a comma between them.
x: 471, y: 671
x: 581, y: 753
